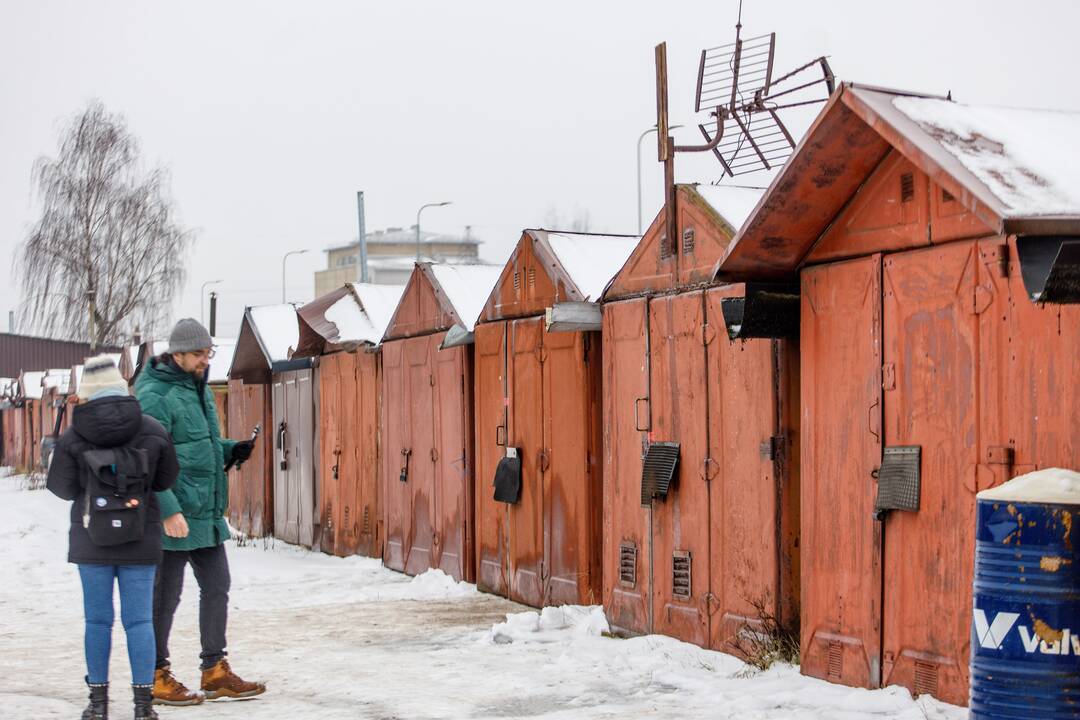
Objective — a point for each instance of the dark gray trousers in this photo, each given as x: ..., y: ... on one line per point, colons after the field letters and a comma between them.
x: 211, y: 569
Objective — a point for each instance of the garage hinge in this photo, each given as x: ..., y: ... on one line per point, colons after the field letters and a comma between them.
x: 999, y: 455
x: 772, y: 448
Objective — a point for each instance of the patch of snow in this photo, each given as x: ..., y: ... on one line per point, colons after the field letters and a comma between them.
x: 546, y: 625
x: 467, y: 287
x: 591, y: 261
x: 345, y: 638
x: 1053, y: 486
x: 277, y: 328
x: 30, y: 384
x: 224, y: 349
x: 734, y: 204
x: 363, y: 315
x: 1019, y: 154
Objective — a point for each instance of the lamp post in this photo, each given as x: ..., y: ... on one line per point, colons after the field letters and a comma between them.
x: 283, y: 259
x: 202, y: 299
x: 438, y: 204
x: 642, y: 137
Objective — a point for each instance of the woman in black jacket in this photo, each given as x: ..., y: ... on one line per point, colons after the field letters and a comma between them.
x: 110, y: 462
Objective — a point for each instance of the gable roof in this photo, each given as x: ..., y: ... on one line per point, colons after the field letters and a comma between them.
x: 707, y: 216
x: 354, y: 314
x: 548, y: 267
x: 1003, y: 165
x: 268, y: 335
x: 440, y: 296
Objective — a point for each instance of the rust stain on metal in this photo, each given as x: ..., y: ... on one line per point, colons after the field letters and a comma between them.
x: 1051, y: 563
x: 1046, y: 633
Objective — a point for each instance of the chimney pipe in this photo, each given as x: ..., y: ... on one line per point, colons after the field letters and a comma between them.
x: 11, y: 321
x: 213, y: 314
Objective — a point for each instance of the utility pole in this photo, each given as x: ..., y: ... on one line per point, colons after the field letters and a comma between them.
x: 213, y: 314
x: 363, y: 236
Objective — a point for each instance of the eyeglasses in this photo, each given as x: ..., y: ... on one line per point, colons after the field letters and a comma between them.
x: 208, y: 354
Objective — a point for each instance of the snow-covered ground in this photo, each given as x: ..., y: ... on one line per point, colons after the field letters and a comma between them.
x: 338, y: 638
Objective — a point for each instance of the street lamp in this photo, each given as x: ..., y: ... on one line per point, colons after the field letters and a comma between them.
x: 202, y: 300
x: 438, y: 204
x: 283, y: 259
x: 642, y: 137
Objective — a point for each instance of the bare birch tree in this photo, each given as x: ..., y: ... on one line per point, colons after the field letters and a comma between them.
x: 107, y: 254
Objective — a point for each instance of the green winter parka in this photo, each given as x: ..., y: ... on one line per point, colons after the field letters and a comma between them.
x: 187, y: 410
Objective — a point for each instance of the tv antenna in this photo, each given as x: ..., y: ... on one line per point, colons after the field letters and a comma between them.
x: 738, y: 87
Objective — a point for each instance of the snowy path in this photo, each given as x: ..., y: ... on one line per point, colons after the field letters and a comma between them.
x: 346, y: 638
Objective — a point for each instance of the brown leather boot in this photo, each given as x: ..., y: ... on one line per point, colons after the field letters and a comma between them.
x: 221, y: 682
x: 170, y: 691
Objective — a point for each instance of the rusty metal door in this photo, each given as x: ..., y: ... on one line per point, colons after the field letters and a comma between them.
x: 679, y: 408
x: 304, y: 419
x: 930, y: 374
x: 526, y: 433
x: 747, y: 486
x: 491, y: 409
x: 395, y: 445
x: 330, y: 449
x: 841, y: 446
x: 571, y: 490
x: 365, y: 515
x: 453, y: 489
x: 627, y: 533
x: 421, y: 474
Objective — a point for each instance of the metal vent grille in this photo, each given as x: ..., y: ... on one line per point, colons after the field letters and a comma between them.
x: 688, y: 240
x: 946, y: 196
x: 898, y: 480
x: 628, y: 564
x: 926, y: 678
x: 665, y: 248
x: 658, y: 470
x: 836, y: 659
x: 367, y: 520
x: 517, y: 280
x: 532, y: 277
x: 681, y: 587
x: 907, y: 187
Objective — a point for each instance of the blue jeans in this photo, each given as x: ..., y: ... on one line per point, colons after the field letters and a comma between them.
x: 136, y: 613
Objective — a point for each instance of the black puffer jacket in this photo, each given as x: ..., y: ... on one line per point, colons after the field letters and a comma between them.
x: 111, y: 422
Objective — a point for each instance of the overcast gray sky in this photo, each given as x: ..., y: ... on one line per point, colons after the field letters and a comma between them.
x: 272, y: 114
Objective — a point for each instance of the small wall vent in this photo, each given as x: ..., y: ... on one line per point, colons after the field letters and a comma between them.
x: 681, y: 585
x: 907, y: 187
x: 628, y: 564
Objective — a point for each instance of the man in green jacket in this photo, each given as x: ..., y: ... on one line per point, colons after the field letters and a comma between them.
x: 172, y: 388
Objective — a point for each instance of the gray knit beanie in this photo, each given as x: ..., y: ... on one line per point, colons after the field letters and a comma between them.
x: 188, y: 336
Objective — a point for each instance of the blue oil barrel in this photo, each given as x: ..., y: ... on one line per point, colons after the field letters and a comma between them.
x: 1025, y: 631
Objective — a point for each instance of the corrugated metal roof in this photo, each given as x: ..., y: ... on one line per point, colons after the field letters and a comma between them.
x: 20, y: 353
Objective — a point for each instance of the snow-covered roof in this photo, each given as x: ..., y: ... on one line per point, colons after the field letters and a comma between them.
x: 277, y: 328
x: 734, y: 204
x: 31, y: 384
x: 1020, y: 155
x: 363, y: 315
x: 222, y: 360
x: 591, y: 260
x: 466, y: 287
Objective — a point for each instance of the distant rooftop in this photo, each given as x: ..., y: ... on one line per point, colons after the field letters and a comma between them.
x: 395, y: 235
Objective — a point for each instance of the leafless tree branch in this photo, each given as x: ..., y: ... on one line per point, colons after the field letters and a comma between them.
x: 107, y: 231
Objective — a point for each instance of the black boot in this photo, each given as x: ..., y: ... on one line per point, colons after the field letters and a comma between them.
x: 98, y: 709
x: 144, y: 698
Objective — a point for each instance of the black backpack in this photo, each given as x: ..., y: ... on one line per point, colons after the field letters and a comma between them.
x: 116, y: 489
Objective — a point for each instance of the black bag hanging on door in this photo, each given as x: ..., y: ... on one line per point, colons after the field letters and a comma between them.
x: 114, y: 510
x: 508, y: 479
